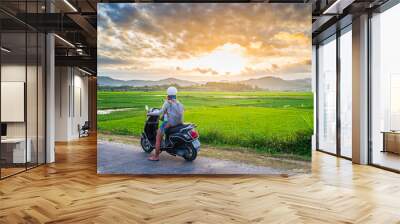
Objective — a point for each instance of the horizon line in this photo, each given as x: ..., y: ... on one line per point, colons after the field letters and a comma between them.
x: 271, y: 76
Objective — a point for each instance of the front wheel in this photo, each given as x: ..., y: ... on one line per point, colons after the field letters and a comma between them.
x: 191, y: 153
x: 146, y: 146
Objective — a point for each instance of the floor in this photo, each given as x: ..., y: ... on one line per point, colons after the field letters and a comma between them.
x: 10, y: 171
x: 70, y: 191
x: 5, y: 172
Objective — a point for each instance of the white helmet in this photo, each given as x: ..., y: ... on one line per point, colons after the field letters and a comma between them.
x: 172, y: 91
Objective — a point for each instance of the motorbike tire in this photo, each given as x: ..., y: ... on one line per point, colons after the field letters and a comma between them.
x: 145, y: 145
x: 192, y: 153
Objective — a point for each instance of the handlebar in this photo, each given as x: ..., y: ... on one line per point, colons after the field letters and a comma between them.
x: 153, y: 112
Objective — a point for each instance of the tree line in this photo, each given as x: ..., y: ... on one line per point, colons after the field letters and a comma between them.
x: 209, y: 86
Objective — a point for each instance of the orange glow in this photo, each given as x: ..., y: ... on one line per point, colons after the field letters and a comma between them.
x: 226, y: 59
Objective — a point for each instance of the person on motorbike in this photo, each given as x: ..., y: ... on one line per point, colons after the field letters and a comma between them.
x: 172, y: 115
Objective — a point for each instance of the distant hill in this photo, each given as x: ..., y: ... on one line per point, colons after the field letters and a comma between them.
x: 107, y: 81
x: 264, y: 83
x: 278, y: 84
x: 179, y: 82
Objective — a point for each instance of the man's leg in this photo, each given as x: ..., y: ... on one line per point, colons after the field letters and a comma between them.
x: 157, y: 151
x: 159, y: 138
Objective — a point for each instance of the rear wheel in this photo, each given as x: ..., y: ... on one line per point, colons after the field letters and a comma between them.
x: 191, y: 153
x: 146, y: 146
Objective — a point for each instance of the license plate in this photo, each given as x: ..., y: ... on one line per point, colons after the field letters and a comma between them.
x: 196, y: 144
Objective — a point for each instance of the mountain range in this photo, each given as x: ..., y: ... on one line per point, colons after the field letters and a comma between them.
x: 107, y: 81
x: 278, y: 84
x: 265, y: 83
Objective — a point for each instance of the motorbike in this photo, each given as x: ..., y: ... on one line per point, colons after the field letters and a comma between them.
x: 182, y: 140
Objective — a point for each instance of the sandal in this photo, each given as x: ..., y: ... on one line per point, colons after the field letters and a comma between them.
x: 153, y: 158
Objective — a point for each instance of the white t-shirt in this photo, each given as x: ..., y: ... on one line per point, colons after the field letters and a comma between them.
x: 173, y: 112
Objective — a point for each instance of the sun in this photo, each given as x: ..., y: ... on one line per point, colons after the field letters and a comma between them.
x: 227, y: 59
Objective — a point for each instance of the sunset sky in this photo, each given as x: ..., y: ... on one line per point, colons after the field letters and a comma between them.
x: 204, y: 42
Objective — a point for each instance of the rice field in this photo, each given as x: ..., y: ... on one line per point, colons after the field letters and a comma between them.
x: 264, y: 122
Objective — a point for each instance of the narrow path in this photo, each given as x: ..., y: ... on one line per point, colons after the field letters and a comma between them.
x: 120, y: 158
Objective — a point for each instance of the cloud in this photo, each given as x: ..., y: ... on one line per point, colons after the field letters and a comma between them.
x: 120, y: 13
x: 206, y: 70
x: 289, y: 38
x: 104, y: 60
x: 285, y: 69
x: 153, y: 33
x: 298, y: 67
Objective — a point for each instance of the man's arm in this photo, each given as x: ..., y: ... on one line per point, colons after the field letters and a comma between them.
x: 161, y: 111
x: 164, y: 108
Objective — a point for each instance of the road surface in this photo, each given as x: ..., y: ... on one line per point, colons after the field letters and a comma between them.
x: 119, y: 158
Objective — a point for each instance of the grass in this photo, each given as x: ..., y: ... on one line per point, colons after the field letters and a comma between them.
x: 264, y: 122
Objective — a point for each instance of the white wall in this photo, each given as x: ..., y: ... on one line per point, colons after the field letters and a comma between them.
x: 71, y: 102
x: 80, y: 110
x: 62, y: 82
x: 33, y: 126
x: 13, y: 100
x: 14, y: 73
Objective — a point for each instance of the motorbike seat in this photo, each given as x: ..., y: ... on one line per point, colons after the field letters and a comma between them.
x: 176, y: 129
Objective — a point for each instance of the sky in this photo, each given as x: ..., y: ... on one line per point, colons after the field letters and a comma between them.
x: 204, y: 41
